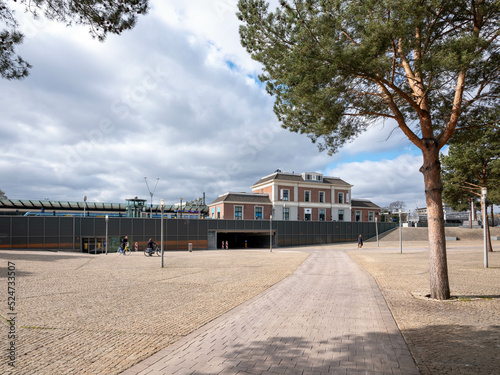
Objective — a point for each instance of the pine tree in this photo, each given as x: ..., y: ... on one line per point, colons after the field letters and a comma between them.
x: 102, y: 16
x: 473, y: 162
x: 337, y: 66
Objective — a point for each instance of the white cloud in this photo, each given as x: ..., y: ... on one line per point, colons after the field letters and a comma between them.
x: 172, y: 98
x: 214, y: 22
x: 385, y: 181
x: 380, y: 137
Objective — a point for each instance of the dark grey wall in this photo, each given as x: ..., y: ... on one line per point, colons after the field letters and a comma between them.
x: 72, y: 233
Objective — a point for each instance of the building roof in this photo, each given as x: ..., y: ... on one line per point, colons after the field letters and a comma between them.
x: 242, y: 198
x: 363, y: 203
x: 294, y: 177
x: 32, y: 204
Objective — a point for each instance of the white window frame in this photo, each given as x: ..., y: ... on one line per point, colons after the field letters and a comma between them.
x: 322, y: 211
x: 308, y: 211
x: 287, y: 195
x: 261, y: 212
x: 360, y: 215
x: 322, y: 193
x: 286, y: 213
x: 341, y: 212
x: 236, y: 218
x: 305, y: 194
x: 371, y: 216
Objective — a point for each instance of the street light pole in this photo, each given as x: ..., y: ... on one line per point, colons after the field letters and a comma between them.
x: 271, y: 233
x: 180, y: 212
x: 107, y: 218
x: 400, y: 234
x: 376, y: 228
x: 484, y: 193
x: 84, y: 204
x: 151, y: 193
x: 162, y: 204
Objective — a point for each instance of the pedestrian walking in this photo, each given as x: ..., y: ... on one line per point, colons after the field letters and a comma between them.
x: 360, y: 241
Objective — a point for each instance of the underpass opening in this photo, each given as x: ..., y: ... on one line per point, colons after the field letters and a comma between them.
x: 242, y: 240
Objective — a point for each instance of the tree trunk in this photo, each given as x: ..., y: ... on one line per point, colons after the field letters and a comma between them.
x: 470, y: 213
x: 492, y: 216
x: 484, y: 208
x: 489, y: 246
x: 493, y: 225
x: 431, y: 169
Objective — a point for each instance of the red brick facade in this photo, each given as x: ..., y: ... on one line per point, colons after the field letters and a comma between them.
x: 290, y: 196
x: 247, y: 206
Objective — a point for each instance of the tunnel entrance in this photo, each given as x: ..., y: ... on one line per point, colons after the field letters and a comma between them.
x: 242, y: 240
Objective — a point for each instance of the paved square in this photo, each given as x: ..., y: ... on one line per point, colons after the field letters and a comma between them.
x: 100, y: 314
x: 329, y: 317
x: 238, y: 312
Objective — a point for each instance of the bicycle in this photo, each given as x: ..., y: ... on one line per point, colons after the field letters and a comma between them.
x: 150, y: 251
x: 124, y: 252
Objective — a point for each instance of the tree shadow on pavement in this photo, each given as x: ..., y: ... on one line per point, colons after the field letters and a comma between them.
x: 16, y: 258
x: 466, y: 297
x: 374, y: 353
x: 39, y: 256
x: 437, y: 349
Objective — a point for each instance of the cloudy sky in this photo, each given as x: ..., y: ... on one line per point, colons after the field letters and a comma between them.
x: 176, y: 98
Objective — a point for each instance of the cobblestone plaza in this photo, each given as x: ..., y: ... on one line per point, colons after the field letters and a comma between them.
x: 103, y: 314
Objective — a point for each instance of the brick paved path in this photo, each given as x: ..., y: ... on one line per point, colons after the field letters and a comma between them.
x: 329, y: 317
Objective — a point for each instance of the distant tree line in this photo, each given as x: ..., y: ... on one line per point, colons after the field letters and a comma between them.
x: 473, y: 163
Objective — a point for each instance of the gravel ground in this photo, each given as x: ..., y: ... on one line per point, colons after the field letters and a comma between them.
x: 101, y: 314
x: 459, y: 336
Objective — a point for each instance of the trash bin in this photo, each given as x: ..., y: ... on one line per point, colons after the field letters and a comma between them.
x: 190, y: 247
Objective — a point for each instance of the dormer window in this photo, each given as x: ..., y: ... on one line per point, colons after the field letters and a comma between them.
x: 312, y: 177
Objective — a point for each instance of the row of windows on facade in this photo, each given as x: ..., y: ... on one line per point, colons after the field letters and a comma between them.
x: 285, y: 196
x: 238, y: 214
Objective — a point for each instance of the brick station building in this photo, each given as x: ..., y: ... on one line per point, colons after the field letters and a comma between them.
x: 240, y: 206
x: 308, y: 196
x: 364, y: 210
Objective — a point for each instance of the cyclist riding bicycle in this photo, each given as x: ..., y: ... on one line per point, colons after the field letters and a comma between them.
x: 152, y: 249
x: 151, y: 244
x: 124, y: 243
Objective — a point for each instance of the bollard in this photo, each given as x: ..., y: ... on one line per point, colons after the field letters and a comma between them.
x: 227, y: 245
x: 190, y: 247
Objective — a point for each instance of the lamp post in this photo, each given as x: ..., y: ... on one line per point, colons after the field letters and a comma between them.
x: 484, y: 193
x: 271, y: 233
x: 151, y: 193
x: 106, y: 244
x: 400, y: 234
x: 180, y: 211
x: 162, y: 204
x: 84, y: 204
x: 376, y: 228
